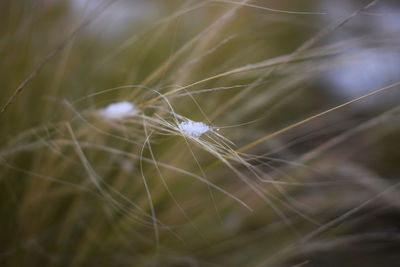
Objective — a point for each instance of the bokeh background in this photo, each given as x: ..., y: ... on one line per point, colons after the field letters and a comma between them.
x: 342, y: 206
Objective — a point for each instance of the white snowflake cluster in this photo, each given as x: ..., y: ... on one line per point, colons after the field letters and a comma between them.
x: 119, y: 110
x: 193, y: 129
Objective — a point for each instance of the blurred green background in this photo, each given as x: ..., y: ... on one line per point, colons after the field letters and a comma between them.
x: 51, y: 213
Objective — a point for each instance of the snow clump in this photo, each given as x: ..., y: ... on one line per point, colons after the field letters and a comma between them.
x: 193, y: 129
x: 119, y: 110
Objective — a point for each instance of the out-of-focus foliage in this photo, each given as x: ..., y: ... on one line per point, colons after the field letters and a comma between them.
x: 78, y: 189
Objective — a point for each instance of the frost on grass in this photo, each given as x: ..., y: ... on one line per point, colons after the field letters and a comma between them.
x: 193, y: 129
x: 118, y: 110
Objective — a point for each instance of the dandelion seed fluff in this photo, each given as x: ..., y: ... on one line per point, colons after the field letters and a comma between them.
x: 118, y: 110
x: 193, y: 129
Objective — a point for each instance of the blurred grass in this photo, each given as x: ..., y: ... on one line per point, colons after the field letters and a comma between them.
x: 55, y: 146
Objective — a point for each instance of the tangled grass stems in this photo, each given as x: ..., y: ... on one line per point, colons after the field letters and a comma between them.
x: 162, y: 150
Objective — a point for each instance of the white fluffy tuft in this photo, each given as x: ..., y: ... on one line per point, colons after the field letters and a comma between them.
x: 119, y: 110
x: 193, y: 129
